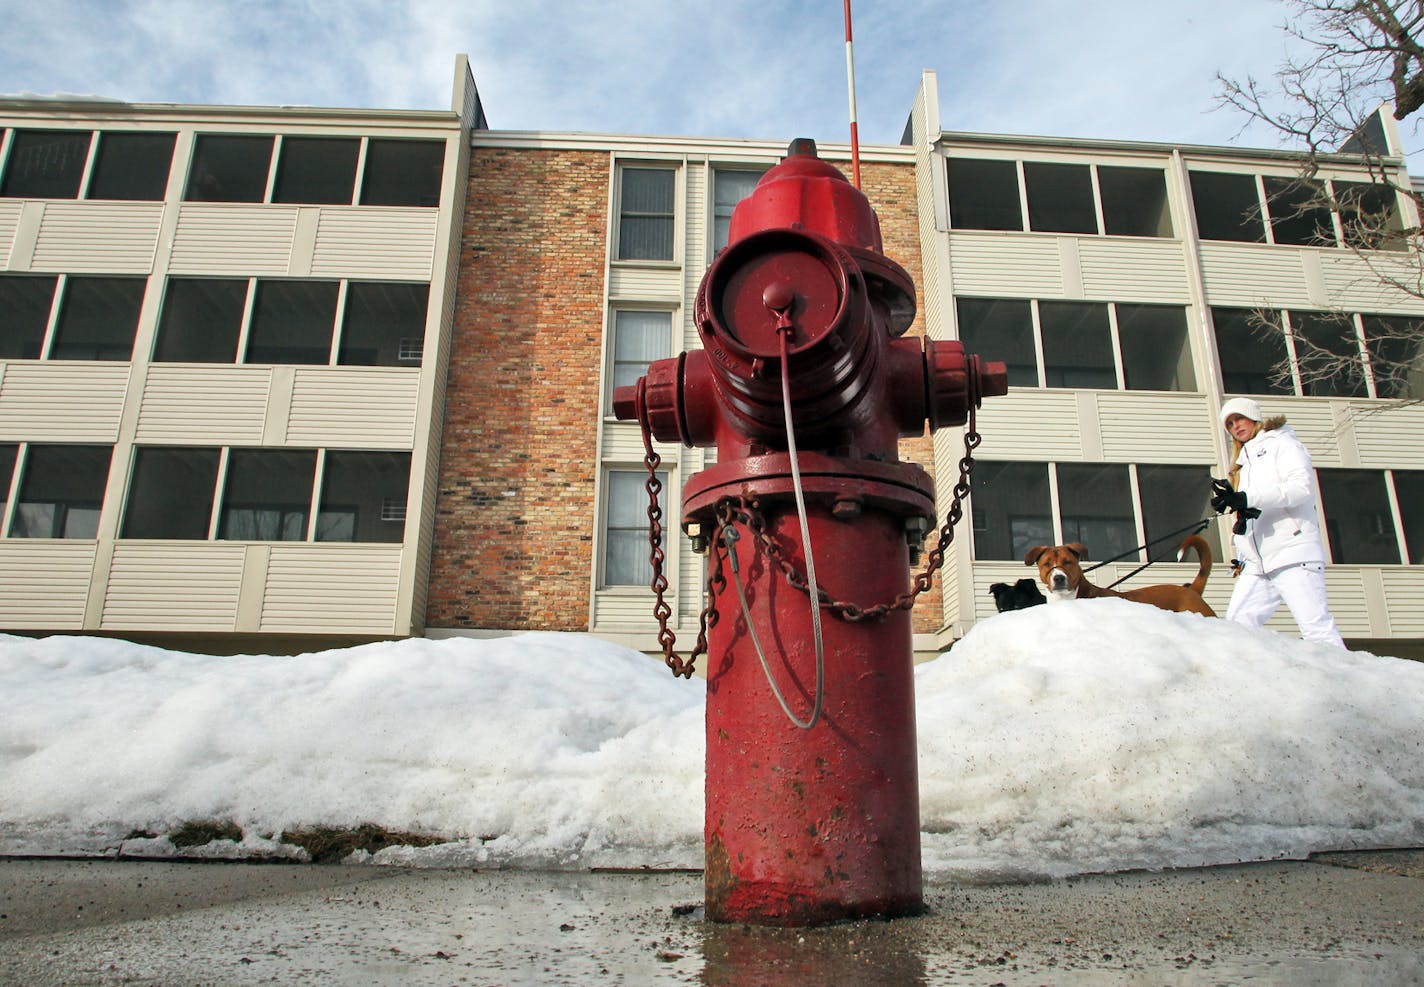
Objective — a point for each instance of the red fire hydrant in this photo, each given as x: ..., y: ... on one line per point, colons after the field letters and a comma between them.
x: 805, y: 384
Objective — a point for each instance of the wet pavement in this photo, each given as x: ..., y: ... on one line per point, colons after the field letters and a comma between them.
x: 1336, y: 919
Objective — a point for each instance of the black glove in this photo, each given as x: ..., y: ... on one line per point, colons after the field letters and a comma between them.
x: 1227, y: 499
x: 1242, y: 516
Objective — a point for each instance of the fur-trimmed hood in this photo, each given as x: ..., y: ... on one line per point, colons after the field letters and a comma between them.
x: 1269, y: 425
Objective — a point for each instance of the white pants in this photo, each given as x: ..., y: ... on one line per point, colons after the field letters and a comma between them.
x: 1301, y: 587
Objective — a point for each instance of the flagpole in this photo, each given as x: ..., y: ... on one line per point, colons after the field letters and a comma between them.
x: 850, y: 82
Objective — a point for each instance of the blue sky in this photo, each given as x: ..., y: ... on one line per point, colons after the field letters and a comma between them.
x: 715, y: 68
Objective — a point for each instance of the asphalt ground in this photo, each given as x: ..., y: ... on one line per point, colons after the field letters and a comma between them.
x: 1335, y: 919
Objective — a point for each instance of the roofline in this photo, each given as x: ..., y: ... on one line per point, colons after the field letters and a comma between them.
x: 668, y: 144
x: 91, y: 107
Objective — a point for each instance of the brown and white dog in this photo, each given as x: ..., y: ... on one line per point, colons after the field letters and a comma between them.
x: 1063, y: 577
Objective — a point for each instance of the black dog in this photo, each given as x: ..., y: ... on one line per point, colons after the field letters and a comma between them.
x: 1020, y: 596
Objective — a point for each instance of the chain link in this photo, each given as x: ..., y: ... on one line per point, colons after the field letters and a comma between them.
x: 747, y: 510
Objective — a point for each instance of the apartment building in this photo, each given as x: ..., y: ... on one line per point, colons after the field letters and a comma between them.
x: 222, y: 364
x: 1125, y: 285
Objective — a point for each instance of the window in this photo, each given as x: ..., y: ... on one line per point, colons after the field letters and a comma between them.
x: 201, y: 320
x: 1060, y: 198
x: 1357, y: 517
x: 1249, y: 353
x: 1369, y: 216
x: 1228, y: 207
x: 627, y: 553
x: 268, y: 495
x: 1396, y: 348
x: 61, y: 492
x: 319, y: 170
x: 384, y: 324
x: 728, y: 188
x: 1408, y: 489
x: 46, y: 164
x: 646, y: 214
x: 292, y: 322
x: 1173, y: 498
x: 1012, y: 510
x: 1095, y: 502
x: 7, y: 474
x: 1134, y: 201
x: 171, y: 493
x: 1077, y: 345
x: 403, y: 173
x: 983, y: 195
x: 131, y: 166
x: 1327, y: 351
x: 97, y: 319
x: 1001, y: 329
x: 639, y: 338
x: 25, y: 302
x: 363, y: 497
x: 228, y: 168
x: 1299, y: 212
x: 1156, y: 354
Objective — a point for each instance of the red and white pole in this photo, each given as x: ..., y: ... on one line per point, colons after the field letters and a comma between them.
x: 850, y: 82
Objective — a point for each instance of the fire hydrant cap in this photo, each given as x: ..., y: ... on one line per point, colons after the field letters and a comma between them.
x: 805, y: 193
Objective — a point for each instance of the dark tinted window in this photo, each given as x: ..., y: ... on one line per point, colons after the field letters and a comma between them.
x: 1299, y: 213
x: 647, y: 217
x: 229, y: 168
x: 384, y: 324
x: 1327, y: 352
x: 201, y: 321
x: 316, y: 170
x: 1096, y: 502
x: 983, y: 195
x: 1011, y: 509
x: 97, y: 319
x: 1396, y: 348
x: 46, y: 164
x: 1357, y: 517
x: 1251, y: 354
x: 1060, y: 198
x: 171, y: 493
x: 1174, y: 497
x: 25, y: 302
x: 131, y: 166
x: 1409, y: 488
x: 1134, y: 201
x: 1000, y: 329
x: 61, y: 492
x: 292, y: 322
x: 1156, y: 355
x: 1077, y: 345
x: 1227, y: 207
x: 403, y: 173
x: 268, y: 495
x: 363, y: 497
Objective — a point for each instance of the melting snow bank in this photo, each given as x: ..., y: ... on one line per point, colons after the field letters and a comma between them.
x: 1094, y: 736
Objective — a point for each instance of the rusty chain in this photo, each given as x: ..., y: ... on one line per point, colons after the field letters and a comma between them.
x: 747, y: 510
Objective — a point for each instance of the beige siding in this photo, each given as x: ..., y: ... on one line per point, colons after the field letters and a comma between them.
x: 331, y: 588
x: 208, y: 405
x: 46, y: 583
x: 1246, y: 275
x: 226, y: 239
x: 1037, y: 425
x: 1404, y: 590
x: 1138, y: 427
x: 1013, y: 265
x: 371, y: 244
x: 10, y: 211
x: 646, y: 284
x: 1358, y: 283
x: 1134, y: 270
x: 1345, y: 589
x: 1314, y: 423
x: 62, y: 401
x: 173, y: 587
x: 363, y: 409
x: 98, y: 237
x: 623, y: 443
x: 632, y: 610
x: 1389, y: 437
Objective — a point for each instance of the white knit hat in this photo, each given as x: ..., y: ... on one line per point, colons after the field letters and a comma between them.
x: 1244, y: 407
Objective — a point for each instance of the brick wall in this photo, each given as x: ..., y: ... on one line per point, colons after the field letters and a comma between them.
x: 514, y: 517
x: 891, y: 190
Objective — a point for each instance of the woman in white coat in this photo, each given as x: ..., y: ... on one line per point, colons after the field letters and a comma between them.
x: 1277, y: 533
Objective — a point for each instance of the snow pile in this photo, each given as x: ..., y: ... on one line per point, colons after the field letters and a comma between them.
x: 1093, y: 736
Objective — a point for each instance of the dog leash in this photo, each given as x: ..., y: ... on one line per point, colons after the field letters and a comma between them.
x: 1194, y: 528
